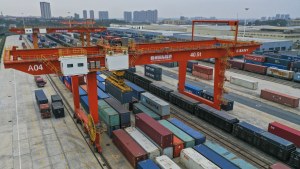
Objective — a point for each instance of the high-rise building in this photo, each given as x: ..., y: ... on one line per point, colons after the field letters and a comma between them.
x: 45, y: 10
x: 92, y: 16
x: 127, y: 16
x: 84, y: 14
x: 76, y: 16
x: 103, y: 15
x: 277, y: 16
x: 149, y: 16
x: 287, y: 16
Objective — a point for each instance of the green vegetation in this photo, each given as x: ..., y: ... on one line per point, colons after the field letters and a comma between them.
x: 278, y: 22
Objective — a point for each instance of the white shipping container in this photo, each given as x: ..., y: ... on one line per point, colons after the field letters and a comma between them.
x: 286, y: 74
x: 164, y: 162
x: 156, y: 104
x: 168, y: 151
x: 244, y: 82
x: 144, y: 142
x: 191, y: 159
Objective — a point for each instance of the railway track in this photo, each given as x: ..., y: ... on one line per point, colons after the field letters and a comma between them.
x: 227, y: 143
x: 258, y: 76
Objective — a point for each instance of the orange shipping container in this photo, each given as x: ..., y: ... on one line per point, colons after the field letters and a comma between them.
x: 84, y: 87
x: 178, y: 145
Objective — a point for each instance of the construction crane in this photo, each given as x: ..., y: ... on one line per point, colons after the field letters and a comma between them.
x: 118, y: 58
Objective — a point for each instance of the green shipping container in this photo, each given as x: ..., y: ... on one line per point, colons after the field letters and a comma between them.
x: 139, y: 108
x: 188, y: 140
x: 108, y: 115
x: 102, y: 105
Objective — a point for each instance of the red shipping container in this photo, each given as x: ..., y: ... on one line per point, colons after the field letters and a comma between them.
x: 81, y: 80
x: 285, y: 132
x: 157, y: 132
x: 255, y: 68
x: 68, y: 85
x: 236, y: 64
x: 178, y: 145
x: 203, y: 69
x: 280, y: 98
x: 202, y: 75
x: 279, y: 166
x: 130, y: 148
x: 256, y: 58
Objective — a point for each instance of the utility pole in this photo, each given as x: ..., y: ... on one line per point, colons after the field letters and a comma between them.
x: 245, y: 23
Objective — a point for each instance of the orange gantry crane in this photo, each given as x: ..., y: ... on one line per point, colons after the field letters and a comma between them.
x: 49, y: 61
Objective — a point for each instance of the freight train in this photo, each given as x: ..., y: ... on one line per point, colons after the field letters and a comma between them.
x: 269, y: 143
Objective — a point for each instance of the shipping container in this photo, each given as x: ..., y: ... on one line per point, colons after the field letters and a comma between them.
x: 153, y: 76
x: 100, y: 79
x: 108, y: 114
x: 256, y: 58
x: 296, y: 64
x: 142, y: 82
x: 190, y: 65
x: 280, y: 98
x: 156, y: 104
x: 178, y: 145
x: 285, y: 132
x: 249, y: 84
x: 296, y: 77
x: 255, y: 68
x: 153, y: 69
x: 229, y: 155
x: 101, y: 85
x: 124, y: 114
x: 56, y: 98
x: 170, y: 64
x: 279, y: 165
x: 164, y: 162
x: 276, y: 66
x: 188, y: 140
x: 130, y: 149
x: 282, y: 62
x: 202, y: 75
x: 84, y: 101
x: 295, y: 158
x: 253, y: 62
x: 220, y: 119
x: 147, y: 164
x: 122, y: 97
x: 203, y: 69
x: 101, y: 94
x: 196, y: 90
x: 58, y: 109
x: 147, y: 145
x: 140, y: 108
x: 184, y: 102
x: 197, y: 136
x: 236, y: 64
x: 191, y: 159
x: 44, y: 110
x: 40, y: 97
x: 132, y: 69
x: 110, y: 129
x: 226, y: 104
x: 157, y: 132
x: 136, y: 89
x: 276, y: 146
x: 103, y: 76
x: 248, y: 133
x: 129, y: 75
x: 215, y: 157
x: 82, y: 92
x: 160, y: 90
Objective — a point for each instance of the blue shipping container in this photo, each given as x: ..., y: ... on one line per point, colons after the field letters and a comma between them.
x: 297, y: 77
x: 275, y: 65
x: 85, y: 103
x: 101, y: 85
x: 82, y: 92
x: 136, y: 90
x: 98, y: 72
x: 61, y: 78
x: 215, y: 157
x: 193, y: 89
x: 102, y: 94
x: 68, y: 79
x: 147, y: 164
x: 100, y: 79
x: 253, y: 62
x: 228, y: 155
x: 199, y: 137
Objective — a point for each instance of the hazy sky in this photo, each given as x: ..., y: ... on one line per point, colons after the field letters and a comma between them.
x: 166, y: 8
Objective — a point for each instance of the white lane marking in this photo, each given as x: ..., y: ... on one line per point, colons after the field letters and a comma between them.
x: 17, y: 115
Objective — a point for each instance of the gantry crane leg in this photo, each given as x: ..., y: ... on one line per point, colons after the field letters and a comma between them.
x: 75, y: 91
x: 35, y: 40
x: 219, y: 73
x: 181, y: 76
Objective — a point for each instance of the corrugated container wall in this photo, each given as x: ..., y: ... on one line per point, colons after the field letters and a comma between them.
x: 280, y: 98
x: 164, y: 162
x: 147, y: 164
x: 244, y: 82
x: 156, y: 104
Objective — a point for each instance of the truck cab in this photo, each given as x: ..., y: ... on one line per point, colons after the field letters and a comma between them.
x: 40, y: 82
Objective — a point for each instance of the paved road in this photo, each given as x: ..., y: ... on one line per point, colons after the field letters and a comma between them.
x: 275, y: 111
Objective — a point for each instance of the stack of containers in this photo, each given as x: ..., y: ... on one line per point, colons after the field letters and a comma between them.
x: 278, y: 63
x: 178, y: 145
x: 191, y: 159
x: 170, y: 64
x: 153, y: 72
x: 84, y: 101
x: 188, y: 140
x: 140, y: 108
x: 130, y: 148
x: 136, y: 89
x: 156, y: 104
x: 295, y: 66
x: 147, y: 164
x: 109, y: 116
x: 123, y: 97
x: 196, y: 90
x: 160, y: 90
x: 123, y: 113
x: 226, y: 105
x: 164, y: 162
x: 255, y: 68
x: 236, y: 64
x: 145, y: 143
x: 203, y: 72
x: 254, y: 59
x: 190, y: 65
x: 158, y: 134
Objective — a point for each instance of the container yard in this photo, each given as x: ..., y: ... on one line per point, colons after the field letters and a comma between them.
x: 91, y: 97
